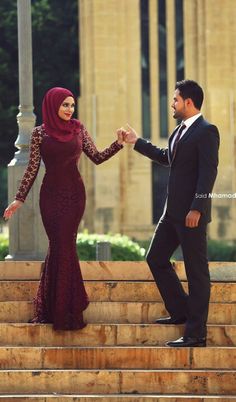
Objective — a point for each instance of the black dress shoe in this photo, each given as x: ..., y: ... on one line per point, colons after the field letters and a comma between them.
x: 171, y: 321
x: 187, y: 341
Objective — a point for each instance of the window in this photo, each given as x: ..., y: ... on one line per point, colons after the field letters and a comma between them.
x: 179, y: 35
x: 145, y: 66
x: 162, y: 53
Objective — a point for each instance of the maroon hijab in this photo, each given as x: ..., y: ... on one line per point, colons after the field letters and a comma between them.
x: 54, y: 126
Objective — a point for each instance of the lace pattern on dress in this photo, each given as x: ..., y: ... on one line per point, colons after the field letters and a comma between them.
x: 32, y: 169
x: 91, y: 151
x: 61, y: 297
x: 33, y: 164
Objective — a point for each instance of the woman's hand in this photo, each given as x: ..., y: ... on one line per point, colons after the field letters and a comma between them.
x: 121, y: 135
x: 128, y: 136
x: 11, y: 209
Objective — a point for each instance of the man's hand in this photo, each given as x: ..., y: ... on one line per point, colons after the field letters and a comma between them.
x: 131, y: 135
x: 192, y: 219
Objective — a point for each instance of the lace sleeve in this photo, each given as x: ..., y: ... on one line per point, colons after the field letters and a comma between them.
x: 91, y: 151
x: 32, y: 168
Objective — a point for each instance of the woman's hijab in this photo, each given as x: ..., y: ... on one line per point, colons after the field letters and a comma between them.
x: 54, y: 126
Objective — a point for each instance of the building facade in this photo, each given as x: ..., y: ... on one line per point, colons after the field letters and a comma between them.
x: 131, y: 54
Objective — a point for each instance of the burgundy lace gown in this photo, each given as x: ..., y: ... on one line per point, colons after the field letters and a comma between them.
x: 61, y: 296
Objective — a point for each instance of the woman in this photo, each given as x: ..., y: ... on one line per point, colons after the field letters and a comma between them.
x: 59, y: 141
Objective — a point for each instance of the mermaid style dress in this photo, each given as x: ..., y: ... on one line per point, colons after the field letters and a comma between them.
x: 61, y: 296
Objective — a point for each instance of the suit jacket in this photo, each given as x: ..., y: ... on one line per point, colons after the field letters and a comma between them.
x: 192, y: 171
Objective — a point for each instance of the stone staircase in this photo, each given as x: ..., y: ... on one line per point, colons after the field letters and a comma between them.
x: 120, y: 355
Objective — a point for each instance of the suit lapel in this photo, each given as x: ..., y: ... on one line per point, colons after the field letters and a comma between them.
x: 169, y: 143
x: 185, y: 136
x: 191, y: 129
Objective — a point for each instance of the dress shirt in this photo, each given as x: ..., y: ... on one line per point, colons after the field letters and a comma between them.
x: 187, y: 123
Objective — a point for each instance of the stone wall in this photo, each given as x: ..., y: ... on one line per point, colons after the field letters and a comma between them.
x: 119, y: 192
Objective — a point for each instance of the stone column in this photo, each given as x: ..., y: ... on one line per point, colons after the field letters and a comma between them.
x: 210, y: 56
x: 27, y: 240
x: 118, y: 191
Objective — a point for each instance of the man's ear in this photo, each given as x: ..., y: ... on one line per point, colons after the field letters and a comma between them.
x: 189, y: 102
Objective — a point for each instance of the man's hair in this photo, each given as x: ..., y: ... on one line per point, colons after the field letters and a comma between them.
x: 191, y: 89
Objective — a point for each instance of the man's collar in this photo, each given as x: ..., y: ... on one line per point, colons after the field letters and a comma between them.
x: 188, y: 122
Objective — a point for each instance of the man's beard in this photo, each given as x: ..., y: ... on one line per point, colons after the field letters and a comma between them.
x: 175, y: 116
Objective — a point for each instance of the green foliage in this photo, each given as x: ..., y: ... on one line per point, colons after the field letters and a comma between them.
x: 144, y: 244
x: 221, y: 251
x: 55, y: 47
x: 3, y: 246
x: 217, y: 250
x: 122, y: 247
x: 8, y: 79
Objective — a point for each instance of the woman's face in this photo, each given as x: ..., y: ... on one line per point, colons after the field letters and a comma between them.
x: 67, y: 108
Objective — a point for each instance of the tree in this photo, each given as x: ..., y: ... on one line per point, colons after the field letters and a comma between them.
x: 8, y: 79
x: 55, y: 47
x: 55, y: 63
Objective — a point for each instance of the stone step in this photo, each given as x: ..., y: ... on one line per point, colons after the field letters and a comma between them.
x: 113, y: 291
x: 112, y: 270
x: 110, y: 357
x: 115, y: 398
x: 107, y: 335
x: 218, y: 382
x: 118, y: 312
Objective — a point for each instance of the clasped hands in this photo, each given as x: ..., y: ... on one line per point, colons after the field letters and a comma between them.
x: 128, y: 136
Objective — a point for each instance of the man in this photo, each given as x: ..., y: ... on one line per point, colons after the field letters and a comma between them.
x: 192, y: 155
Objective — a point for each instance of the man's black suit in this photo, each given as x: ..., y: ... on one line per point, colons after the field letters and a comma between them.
x: 192, y: 175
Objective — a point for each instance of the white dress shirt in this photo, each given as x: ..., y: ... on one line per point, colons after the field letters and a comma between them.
x: 187, y: 123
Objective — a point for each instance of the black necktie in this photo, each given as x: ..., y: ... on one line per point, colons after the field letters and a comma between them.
x: 176, y: 140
